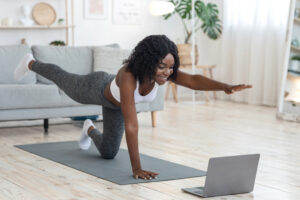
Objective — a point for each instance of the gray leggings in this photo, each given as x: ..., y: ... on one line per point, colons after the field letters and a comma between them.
x: 89, y: 89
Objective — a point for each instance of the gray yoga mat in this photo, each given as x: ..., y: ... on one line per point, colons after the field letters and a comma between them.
x: 117, y: 170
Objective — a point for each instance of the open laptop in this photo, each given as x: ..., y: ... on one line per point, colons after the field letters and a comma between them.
x: 228, y: 175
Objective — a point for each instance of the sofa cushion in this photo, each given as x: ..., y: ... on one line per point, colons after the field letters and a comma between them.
x: 10, y: 56
x: 16, y: 96
x: 77, y: 60
x: 109, y: 59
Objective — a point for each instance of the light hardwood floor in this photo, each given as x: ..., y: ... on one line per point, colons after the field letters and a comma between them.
x: 187, y: 134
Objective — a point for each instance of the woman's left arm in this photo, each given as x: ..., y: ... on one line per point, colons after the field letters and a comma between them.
x: 199, y: 82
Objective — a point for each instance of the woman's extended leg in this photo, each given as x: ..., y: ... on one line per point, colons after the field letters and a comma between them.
x: 85, y: 89
x: 108, y: 143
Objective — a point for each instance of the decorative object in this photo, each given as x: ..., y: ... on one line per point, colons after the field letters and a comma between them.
x: 295, y: 42
x: 7, y: 21
x: 297, y: 12
x: 127, y: 12
x: 23, y: 41
x: 60, y: 21
x: 26, y: 20
x: 158, y: 8
x: 207, y: 14
x: 184, y: 52
x: 95, y: 9
x: 58, y: 43
x: 44, y: 14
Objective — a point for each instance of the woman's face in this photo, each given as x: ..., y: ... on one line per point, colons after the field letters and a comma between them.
x: 164, y: 69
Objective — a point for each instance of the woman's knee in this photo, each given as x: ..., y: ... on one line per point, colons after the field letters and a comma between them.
x: 108, y: 154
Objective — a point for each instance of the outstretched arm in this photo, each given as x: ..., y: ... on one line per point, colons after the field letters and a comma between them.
x: 199, y: 82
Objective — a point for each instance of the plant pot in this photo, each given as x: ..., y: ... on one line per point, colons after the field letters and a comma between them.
x: 185, y: 56
x: 295, y: 65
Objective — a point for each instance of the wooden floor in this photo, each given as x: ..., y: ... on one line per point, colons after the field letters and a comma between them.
x: 186, y: 133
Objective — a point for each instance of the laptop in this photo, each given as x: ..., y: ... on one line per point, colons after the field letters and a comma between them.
x: 228, y: 175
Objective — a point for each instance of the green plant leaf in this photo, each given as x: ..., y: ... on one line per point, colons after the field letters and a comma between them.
x: 199, y: 7
x: 208, y: 14
x: 296, y: 57
x: 167, y: 16
x: 211, y: 23
x: 184, y: 9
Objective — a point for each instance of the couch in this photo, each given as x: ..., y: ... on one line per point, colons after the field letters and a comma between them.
x: 35, y: 97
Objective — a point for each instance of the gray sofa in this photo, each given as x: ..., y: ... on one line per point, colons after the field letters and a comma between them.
x: 35, y: 97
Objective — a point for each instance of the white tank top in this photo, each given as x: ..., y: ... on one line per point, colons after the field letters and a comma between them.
x: 115, y: 91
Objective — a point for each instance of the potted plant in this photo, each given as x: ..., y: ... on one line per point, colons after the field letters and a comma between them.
x: 60, y: 21
x: 295, y: 63
x: 57, y: 43
x: 205, y: 16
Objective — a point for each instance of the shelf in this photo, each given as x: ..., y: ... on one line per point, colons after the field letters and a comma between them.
x: 296, y: 19
x: 36, y: 27
x: 295, y: 73
x: 295, y: 48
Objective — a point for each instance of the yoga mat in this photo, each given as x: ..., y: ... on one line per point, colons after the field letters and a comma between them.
x: 117, y: 170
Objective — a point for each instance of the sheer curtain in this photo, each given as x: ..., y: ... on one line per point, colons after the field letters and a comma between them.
x: 252, y: 52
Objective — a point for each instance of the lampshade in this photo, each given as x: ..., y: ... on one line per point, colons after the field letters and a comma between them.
x: 158, y: 8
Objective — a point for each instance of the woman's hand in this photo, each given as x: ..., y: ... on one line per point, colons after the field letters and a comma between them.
x: 139, y: 173
x: 230, y: 89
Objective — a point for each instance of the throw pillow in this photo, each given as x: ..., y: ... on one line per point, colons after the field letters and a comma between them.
x: 108, y: 59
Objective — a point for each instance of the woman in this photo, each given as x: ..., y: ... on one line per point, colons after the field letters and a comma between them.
x: 153, y: 62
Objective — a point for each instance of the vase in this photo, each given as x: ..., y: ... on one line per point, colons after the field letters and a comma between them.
x: 26, y: 11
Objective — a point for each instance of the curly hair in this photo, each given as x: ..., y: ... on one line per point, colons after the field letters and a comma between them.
x: 147, y: 55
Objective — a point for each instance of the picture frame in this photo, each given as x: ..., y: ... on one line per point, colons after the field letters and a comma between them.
x: 95, y: 9
x: 127, y: 12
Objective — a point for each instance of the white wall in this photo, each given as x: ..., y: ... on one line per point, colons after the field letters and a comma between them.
x: 94, y: 32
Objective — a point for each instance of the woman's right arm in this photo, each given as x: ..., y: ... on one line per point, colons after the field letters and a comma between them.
x: 127, y: 85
